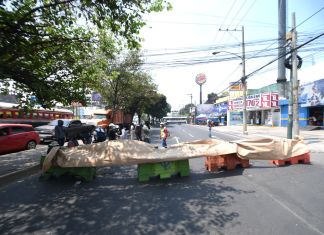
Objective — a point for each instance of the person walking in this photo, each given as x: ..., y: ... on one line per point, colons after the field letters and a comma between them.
x: 59, y: 133
x: 164, y: 134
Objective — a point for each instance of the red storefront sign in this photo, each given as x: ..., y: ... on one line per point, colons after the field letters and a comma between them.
x: 254, y: 102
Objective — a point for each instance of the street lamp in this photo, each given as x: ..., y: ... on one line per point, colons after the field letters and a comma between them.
x: 243, y: 80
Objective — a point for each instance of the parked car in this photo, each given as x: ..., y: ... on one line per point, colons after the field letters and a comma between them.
x: 17, y: 137
x: 72, y: 127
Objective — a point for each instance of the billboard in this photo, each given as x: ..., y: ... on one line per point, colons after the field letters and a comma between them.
x: 312, y: 94
x: 211, y: 111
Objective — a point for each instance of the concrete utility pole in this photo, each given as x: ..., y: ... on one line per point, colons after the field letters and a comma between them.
x: 295, y: 82
x: 282, y: 80
x: 243, y: 79
x: 244, y: 84
x: 190, y: 110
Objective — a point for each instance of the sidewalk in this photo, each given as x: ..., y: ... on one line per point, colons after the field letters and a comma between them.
x: 314, y: 139
x: 18, y: 165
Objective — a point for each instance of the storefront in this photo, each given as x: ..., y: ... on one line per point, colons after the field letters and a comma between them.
x: 311, y: 105
x: 262, y: 109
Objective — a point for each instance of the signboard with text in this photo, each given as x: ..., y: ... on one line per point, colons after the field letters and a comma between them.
x: 254, y: 102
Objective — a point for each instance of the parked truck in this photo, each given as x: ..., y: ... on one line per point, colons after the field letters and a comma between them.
x: 104, y: 117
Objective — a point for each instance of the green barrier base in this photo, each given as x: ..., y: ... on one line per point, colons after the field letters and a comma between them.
x: 163, y: 169
x: 85, y: 173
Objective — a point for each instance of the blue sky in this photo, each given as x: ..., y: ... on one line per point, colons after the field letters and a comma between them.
x: 178, y: 44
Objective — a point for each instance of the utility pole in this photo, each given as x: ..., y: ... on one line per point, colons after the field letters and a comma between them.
x: 244, y: 84
x: 191, y: 116
x: 243, y: 79
x: 282, y: 80
x: 294, y: 78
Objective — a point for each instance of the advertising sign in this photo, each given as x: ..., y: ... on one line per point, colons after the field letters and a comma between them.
x: 254, y: 102
x: 235, y: 86
x: 211, y: 111
x: 200, y: 79
x: 312, y: 94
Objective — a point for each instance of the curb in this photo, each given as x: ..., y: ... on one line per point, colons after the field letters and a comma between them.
x: 10, y: 177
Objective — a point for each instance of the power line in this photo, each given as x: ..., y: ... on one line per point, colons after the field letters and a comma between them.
x: 246, y: 13
x: 269, y: 63
x: 224, y: 19
x: 249, y: 75
x: 310, y: 17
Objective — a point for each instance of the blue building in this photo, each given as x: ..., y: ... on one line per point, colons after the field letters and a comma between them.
x: 310, y: 105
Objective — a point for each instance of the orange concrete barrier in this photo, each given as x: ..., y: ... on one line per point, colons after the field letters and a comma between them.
x: 227, y: 162
x: 304, y: 158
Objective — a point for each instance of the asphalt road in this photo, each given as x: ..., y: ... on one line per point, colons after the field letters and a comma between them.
x: 262, y: 199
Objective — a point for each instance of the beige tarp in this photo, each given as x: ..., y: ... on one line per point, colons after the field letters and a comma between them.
x: 270, y: 149
x: 127, y: 152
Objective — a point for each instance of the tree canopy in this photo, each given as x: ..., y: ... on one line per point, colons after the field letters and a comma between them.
x: 124, y: 86
x: 45, y: 45
x: 211, y: 98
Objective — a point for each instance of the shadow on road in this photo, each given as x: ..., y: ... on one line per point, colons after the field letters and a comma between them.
x: 116, y: 203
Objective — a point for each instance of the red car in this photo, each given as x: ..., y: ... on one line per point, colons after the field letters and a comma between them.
x: 17, y: 137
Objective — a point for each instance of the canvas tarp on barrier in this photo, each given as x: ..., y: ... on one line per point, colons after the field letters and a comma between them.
x: 270, y: 149
x: 128, y: 152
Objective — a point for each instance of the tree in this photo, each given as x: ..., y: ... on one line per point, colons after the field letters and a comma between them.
x: 44, y: 43
x: 211, y: 98
x: 160, y: 108
x: 186, y: 110
x: 121, y: 83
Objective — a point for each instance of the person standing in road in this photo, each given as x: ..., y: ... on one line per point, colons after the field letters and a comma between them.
x: 132, y: 131
x: 99, y: 134
x: 138, y: 132
x: 210, y: 124
x: 59, y: 133
x: 112, y: 135
x: 146, y: 132
x: 164, y: 134
x: 123, y: 135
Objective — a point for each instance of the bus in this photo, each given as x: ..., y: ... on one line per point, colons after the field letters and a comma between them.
x: 175, y: 120
x: 34, y: 117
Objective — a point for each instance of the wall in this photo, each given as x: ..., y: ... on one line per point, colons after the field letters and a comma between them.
x: 303, y: 115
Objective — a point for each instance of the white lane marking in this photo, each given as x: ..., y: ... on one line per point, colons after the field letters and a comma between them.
x: 187, y: 133
x: 177, y: 139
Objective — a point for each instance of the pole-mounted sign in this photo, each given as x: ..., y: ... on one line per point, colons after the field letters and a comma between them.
x: 200, y: 80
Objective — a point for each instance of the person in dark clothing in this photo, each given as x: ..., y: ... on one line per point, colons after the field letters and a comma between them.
x: 138, y: 132
x: 100, y: 134
x: 112, y: 135
x: 60, y: 133
x: 86, y: 137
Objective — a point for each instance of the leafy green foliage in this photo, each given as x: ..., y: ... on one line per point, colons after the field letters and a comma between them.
x: 186, y: 110
x: 159, y: 108
x: 45, y: 45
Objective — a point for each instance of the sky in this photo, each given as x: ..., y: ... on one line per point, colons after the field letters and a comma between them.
x: 178, y: 44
